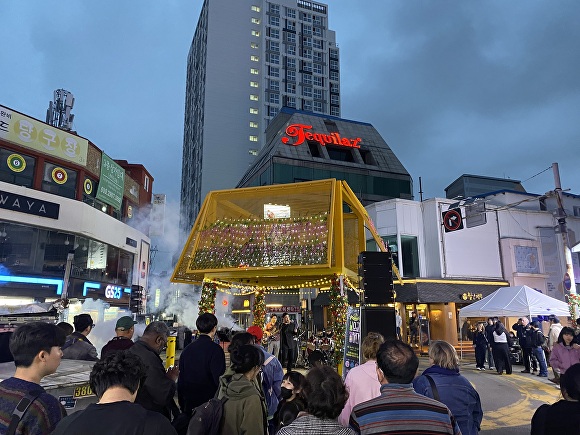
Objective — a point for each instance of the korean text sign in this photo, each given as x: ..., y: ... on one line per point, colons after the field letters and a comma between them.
x: 111, y: 183
x: 31, y: 133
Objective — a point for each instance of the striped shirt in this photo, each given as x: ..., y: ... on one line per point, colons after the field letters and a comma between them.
x: 399, y: 409
x: 42, y: 415
x: 307, y: 424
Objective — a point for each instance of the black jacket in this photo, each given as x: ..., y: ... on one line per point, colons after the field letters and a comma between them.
x: 287, y: 333
x: 156, y: 393
x: 489, y: 333
x: 538, y: 338
x: 480, y: 339
x: 200, y: 366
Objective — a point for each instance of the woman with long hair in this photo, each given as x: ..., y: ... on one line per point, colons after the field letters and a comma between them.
x: 565, y: 352
x: 501, y: 351
x: 443, y: 382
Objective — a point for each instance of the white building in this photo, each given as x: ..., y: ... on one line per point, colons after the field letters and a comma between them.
x: 519, y: 244
x: 247, y: 60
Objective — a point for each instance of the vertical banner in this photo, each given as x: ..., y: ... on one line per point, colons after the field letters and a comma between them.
x: 143, y: 269
x: 111, y: 183
x: 352, y: 340
x: 157, y: 216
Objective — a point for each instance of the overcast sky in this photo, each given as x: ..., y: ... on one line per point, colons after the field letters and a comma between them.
x: 488, y: 88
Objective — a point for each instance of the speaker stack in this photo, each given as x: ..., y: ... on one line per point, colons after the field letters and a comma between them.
x: 376, y: 279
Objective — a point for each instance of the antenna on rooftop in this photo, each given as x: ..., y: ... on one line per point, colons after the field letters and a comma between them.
x: 58, y: 113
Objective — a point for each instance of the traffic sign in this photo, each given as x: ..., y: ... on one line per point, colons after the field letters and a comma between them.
x: 452, y: 220
x: 567, y: 281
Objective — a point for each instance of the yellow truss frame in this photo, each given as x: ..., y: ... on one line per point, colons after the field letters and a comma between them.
x: 244, y: 204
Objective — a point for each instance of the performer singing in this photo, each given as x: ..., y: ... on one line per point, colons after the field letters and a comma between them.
x: 288, y: 346
x: 272, y: 334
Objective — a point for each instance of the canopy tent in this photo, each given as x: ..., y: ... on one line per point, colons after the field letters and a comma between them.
x: 516, y: 301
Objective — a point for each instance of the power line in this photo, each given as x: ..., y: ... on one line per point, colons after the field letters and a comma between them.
x: 547, y: 169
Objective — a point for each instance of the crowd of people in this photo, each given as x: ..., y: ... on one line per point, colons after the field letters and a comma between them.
x: 136, y: 393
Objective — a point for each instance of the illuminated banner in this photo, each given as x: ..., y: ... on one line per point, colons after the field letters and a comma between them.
x: 111, y: 183
x: 297, y: 131
x: 44, y: 138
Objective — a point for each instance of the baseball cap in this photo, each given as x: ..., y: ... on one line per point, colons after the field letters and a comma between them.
x: 256, y: 331
x: 125, y: 322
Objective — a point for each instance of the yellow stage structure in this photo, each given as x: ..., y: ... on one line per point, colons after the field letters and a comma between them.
x: 275, y: 237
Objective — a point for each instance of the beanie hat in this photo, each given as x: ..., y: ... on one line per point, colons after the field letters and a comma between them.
x: 256, y: 331
x: 536, y: 324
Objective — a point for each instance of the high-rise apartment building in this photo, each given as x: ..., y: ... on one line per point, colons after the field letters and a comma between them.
x: 248, y: 59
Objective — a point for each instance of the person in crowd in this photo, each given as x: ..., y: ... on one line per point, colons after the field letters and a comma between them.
x: 157, y: 390
x: 501, y: 351
x: 77, y: 345
x: 36, y: 348
x: 124, y: 330
x: 565, y: 352
x: 553, y: 334
x: 272, y: 331
x: 480, y: 344
x: 325, y: 396
x: 317, y: 358
x: 563, y: 417
x: 66, y: 327
x: 272, y: 375
x: 293, y: 401
x: 200, y: 366
x: 538, y: 341
x: 450, y: 388
x: 398, y: 324
x: 361, y: 381
x: 489, y: 335
x: 115, y: 380
x: 577, y: 331
x: 466, y: 331
x: 288, y: 346
x: 397, y: 408
x: 414, y: 329
x: 524, y: 334
x: 244, y: 412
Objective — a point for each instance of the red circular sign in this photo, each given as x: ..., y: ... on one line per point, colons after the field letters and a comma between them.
x: 452, y: 219
x: 59, y: 175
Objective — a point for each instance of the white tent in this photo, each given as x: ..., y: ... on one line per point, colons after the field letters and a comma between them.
x: 516, y: 302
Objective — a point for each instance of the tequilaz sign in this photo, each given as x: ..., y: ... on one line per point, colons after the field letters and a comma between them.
x: 298, y: 131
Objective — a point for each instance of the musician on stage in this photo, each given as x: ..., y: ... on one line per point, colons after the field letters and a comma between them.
x: 288, y: 346
x: 272, y: 335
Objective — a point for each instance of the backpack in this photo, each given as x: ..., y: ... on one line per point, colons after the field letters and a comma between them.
x: 540, y: 338
x: 206, y: 418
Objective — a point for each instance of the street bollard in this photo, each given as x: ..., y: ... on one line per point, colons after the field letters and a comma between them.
x: 170, y: 352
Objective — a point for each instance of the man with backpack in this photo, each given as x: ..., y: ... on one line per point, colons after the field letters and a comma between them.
x: 36, y: 350
x: 538, y: 340
x: 272, y: 375
x: 77, y: 345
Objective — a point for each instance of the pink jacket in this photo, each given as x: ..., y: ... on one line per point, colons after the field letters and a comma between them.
x: 563, y: 357
x: 362, y: 385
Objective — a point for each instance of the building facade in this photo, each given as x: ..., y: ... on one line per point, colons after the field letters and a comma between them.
x: 61, y: 195
x: 516, y: 242
x: 247, y: 60
x: 305, y: 146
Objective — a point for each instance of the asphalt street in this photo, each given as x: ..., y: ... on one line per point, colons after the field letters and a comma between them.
x: 508, y: 401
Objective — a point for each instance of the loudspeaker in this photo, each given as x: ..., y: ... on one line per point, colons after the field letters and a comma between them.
x: 374, y: 257
x: 377, y: 290
x: 381, y: 320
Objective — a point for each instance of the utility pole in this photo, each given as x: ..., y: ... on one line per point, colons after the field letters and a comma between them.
x: 564, y: 232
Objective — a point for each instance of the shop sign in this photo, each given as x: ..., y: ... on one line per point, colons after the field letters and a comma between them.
x: 33, y: 134
x: 113, y: 292
x: 471, y: 296
x: 286, y: 309
x: 297, y: 131
x: 28, y: 205
x: 111, y: 183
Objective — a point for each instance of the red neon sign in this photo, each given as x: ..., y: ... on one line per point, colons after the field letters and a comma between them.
x: 297, y: 131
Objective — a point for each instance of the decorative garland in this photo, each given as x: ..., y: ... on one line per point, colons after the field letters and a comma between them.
x: 207, y: 300
x: 573, y: 302
x: 338, y: 306
x: 246, y: 243
x: 259, y: 308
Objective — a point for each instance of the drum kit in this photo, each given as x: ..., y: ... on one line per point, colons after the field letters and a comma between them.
x: 321, y: 341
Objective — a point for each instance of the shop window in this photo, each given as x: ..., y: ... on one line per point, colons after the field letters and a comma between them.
x: 59, y: 180
x: 409, y: 252
x: 16, y: 168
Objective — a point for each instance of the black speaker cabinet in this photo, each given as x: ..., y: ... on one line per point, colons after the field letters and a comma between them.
x: 379, y: 319
x: 377, y: 290
x: 374, y: 257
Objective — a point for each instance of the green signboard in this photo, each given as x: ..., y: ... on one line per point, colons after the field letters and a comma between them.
x: 112, y: 182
